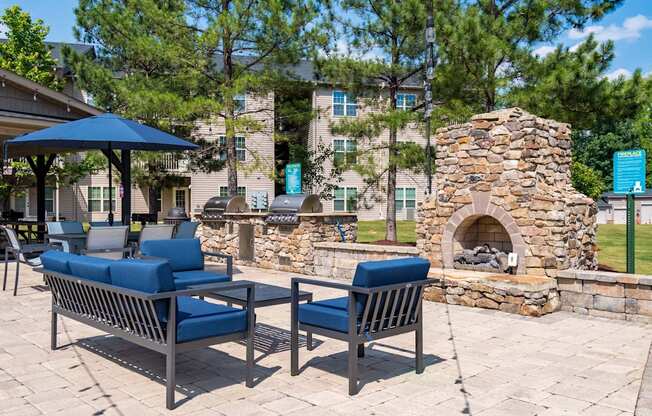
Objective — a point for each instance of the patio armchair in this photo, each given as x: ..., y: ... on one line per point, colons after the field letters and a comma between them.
x: 64, y: 227
x: 186, y: 229
x: 383, y: 300
x: 186, y: 259
x: 107, y: 242
x: 136, y: 300
x: 23, y: 253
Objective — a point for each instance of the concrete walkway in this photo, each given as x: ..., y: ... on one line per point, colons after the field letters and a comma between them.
x: 479, y: 362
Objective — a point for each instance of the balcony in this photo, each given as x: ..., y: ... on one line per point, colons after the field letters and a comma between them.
x: 169, y: 162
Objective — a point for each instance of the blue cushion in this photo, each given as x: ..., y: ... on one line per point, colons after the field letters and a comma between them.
x: 183, y: 280
x: 198, y: 319
x: 57, y: 261
x: 92, y: 268
x: 150, y: 276
x: 388, y: 272
x: 325, y: 316
x: 183, y: 254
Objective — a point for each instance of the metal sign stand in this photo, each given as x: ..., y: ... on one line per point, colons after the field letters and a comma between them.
x: 631, y: 227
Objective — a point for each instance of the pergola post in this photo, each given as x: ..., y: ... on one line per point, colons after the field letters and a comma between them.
x: 40, y: 169
x: 126, y: 187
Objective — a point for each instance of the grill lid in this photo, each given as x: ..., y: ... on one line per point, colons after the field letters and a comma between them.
x: 296, y: 204
x: 220, y: 205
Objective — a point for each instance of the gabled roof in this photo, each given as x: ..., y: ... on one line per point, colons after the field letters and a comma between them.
x: 57, y: 50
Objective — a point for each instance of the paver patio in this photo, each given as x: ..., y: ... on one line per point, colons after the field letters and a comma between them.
x: 478, y: 362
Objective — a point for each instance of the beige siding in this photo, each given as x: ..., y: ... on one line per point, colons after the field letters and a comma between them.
x: 256, y: 172
x: 372, y: 202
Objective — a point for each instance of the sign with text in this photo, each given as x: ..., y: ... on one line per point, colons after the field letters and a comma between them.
x: 293, y: 178
x: 629, y: 171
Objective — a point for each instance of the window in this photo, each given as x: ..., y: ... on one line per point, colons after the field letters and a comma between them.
x: 344, y: 104
x: 346, y: 199
x: 346, y: 151
x: 406, y: 198
x: 49, y: 199
x: 159, y: 203
x: 180, y: 198
x: 405, y: 101
x: 224, y: 190
x: 240, y: 151
x: 240, y: 101
x: 98, y: 198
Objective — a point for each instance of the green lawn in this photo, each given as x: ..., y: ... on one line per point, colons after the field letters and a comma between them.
x: 611, y: 242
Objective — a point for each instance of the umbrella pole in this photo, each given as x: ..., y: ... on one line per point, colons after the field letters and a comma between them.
x: 110, y: 187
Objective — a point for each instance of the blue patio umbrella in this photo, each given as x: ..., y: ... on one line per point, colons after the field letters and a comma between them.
x: 106, y: 132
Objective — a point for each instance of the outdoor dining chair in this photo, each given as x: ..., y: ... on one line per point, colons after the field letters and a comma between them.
x: 155, y: 232
x: 64, y: 227
x: 186, y: 229
x: 107, y: 242
x: 23, y: 253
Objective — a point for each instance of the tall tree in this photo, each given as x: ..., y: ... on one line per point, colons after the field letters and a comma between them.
x: 388, y: 34
x: 24, y: 50
x: 179, y: 61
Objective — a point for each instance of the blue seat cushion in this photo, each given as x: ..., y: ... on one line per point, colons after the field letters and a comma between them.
x: 183, y: 254
x: 330, y: 313
x: 389, y: 272
x: 198, y: 319
x: 91, y: 268
x: 150, y: 276
x: 57, y: 261
x: 183, y: 280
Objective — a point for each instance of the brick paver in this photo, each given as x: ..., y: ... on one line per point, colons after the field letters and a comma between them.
x: 479, y: 362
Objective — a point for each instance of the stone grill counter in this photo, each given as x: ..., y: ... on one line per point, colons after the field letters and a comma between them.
x: 276, y: 246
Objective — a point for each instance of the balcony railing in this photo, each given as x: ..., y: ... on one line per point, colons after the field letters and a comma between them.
x: 169, y: 162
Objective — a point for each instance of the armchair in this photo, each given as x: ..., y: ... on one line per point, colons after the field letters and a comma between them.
x: 383, y: 300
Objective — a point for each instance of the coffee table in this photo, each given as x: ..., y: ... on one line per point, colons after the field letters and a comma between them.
x: 264, y: 295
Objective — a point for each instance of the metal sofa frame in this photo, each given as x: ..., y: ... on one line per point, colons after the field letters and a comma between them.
x: 378, y: 320
x: 131, y: 315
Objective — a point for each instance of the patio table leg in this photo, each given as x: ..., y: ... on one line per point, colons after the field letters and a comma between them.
x: 4, y: 282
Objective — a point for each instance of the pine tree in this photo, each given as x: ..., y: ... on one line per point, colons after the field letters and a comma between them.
x: 172, y: 63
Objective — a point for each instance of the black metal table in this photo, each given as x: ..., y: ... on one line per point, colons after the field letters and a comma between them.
x: 264, y: 295
x: 78, y: 240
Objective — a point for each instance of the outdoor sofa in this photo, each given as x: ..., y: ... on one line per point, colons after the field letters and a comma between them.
x: 186, y: 259
x: 383, y: 300
x: 136, y: 300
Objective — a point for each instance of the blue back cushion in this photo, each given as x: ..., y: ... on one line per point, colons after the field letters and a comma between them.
x: 57, y: 261
x: 150, y: 276
x: 183, y: 254
x: 91, y: 268
x: 389, y: 272
x: 186, y: 229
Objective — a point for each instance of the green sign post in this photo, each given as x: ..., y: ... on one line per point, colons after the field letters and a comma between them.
x: 629, y: 179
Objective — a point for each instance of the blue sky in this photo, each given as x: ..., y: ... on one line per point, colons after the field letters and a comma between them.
x: 630, y: 27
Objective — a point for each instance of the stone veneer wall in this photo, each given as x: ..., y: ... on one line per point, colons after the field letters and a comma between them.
x: 339, y: 260
x: 605, y: 294
x: 278, y: 247
x: 514, y: 167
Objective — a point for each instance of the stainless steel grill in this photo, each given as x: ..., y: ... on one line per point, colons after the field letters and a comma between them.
x: 217, y: 206
x: 285, y: 208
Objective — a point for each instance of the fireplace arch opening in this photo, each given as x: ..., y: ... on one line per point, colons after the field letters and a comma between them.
x: 481, y: 243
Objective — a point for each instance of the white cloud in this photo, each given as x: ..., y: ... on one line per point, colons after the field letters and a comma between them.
x: 544, y: 51
x: 620, y: 72
x: 631, y: 29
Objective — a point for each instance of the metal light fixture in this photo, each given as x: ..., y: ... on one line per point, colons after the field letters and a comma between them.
x: 427, y: 86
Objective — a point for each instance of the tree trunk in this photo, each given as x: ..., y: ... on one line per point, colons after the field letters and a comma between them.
x: 229, y: 109
x: 153, y: 201
x: 390, y: 224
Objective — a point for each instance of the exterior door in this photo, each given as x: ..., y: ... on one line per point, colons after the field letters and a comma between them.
x: 180, y: 196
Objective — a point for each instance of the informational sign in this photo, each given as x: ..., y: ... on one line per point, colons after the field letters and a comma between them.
x: 293, y: 178
x: 629, y: 171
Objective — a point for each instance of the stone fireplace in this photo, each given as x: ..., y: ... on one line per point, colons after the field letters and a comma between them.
x: 503, y: 185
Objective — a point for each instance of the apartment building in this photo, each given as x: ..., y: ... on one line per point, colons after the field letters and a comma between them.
x: 88, y: 200
x: 354, y: 194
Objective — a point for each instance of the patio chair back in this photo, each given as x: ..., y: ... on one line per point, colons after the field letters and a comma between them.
x: 186, y: 229
x: 13, y: 241
x: 156, y: 232
x: 110, y: 239
x: 63, y: 227
x: 105, y: 223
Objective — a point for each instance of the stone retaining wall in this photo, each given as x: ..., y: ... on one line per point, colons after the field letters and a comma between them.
x: 339, y: 260
x: 523, y: 295
x: 611, y: 295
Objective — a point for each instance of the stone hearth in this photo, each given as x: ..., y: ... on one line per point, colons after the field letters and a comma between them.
x: 503, y: 180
